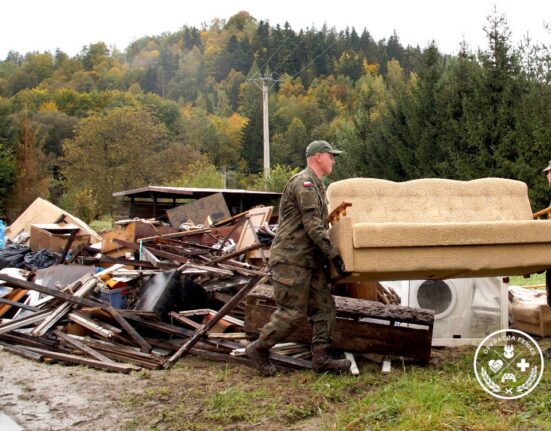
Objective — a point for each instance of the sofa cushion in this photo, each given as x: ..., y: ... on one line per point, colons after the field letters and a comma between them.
x: 380, y: 235
x: 432, y: 200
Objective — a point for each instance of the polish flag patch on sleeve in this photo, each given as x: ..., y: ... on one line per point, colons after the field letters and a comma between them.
x: 308, y: 184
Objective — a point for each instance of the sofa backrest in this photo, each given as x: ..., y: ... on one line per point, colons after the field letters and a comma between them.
x: 431, y: 200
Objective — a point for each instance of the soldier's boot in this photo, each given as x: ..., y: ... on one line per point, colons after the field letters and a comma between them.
x: 321, y: 361
x: 261, y: 358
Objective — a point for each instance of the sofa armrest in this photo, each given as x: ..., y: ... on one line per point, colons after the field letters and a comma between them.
x: 340, y: 235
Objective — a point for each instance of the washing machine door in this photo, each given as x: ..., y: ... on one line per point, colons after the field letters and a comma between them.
x: 437, y: 295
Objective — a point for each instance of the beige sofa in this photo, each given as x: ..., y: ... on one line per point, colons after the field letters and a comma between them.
x: 437, y: 228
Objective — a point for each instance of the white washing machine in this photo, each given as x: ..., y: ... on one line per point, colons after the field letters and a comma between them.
x: 466, y: 309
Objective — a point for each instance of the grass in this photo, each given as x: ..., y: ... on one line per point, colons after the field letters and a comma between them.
x: 444, y: 395
x: 534, y: 279
x: 103, y: 224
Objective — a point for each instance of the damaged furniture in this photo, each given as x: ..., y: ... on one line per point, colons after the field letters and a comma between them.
x: 437, y: 229
x: 362, y: 326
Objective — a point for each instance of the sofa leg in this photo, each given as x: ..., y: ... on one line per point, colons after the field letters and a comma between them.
x: 548, y: 286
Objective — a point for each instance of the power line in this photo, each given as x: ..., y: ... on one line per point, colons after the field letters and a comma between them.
x: 291, y: 53
x: 318, y: 56
x: 271, y: 56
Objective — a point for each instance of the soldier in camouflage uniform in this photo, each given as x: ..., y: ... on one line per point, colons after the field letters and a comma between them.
x: 300, y: 252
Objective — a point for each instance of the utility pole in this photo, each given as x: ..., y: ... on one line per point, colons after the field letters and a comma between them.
x: 265, y: 129
x: 262, y: 83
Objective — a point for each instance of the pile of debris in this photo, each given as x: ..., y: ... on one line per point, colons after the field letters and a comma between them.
x: 146, y: 293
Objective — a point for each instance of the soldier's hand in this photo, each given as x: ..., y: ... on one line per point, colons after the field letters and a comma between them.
x: 339, y: 265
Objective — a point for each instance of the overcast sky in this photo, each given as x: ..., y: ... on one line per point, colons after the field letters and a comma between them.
x: 41, y: 25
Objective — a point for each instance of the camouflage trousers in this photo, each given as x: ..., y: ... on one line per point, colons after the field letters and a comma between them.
x: 300, y: 293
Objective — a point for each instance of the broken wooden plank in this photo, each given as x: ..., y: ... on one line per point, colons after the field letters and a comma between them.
x: 88, y: 283
x: 16, y: 337
x: 146, y: 347
x: 91, y: 325
x: 48, y: 291
x: 15, y: 296
x: 233, y: 254
x: 219, y: 356
x: 154, y: 251
x: 228, y: 335
x: 184, y: 320
x: 74, y: 359
x: 206, y: 269
x: 276, y: 357
x: 353, y: 366
x: 72, y: 341
x: 19, y: 305
x: 238, y: 297
x: 24, y: 321
x: 141, y: 263
x: 21, y: 351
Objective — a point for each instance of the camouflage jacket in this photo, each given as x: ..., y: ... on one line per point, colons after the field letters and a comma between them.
x: 301, y: 237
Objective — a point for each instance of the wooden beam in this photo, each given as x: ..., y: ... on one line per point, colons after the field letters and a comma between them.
x: 21, y: 351
x: 72, y: 341
x: 91, y: 325
x: 24, y: 321
x: 146, y: 347
x: 49, y: 291
x: 74, y: 359
x: 88, y: 283
x: 154, y: 251
x: 18, y: 305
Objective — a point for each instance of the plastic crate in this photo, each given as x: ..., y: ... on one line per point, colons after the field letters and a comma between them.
x: 116, y: 297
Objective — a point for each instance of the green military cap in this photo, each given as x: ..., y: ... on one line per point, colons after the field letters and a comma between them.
x: 320, y: 147
x: 548, y: 168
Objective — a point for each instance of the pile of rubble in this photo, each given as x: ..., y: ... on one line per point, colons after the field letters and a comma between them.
x: 145, y: 293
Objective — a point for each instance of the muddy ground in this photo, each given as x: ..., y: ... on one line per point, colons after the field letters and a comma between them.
x: 41, y: 396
